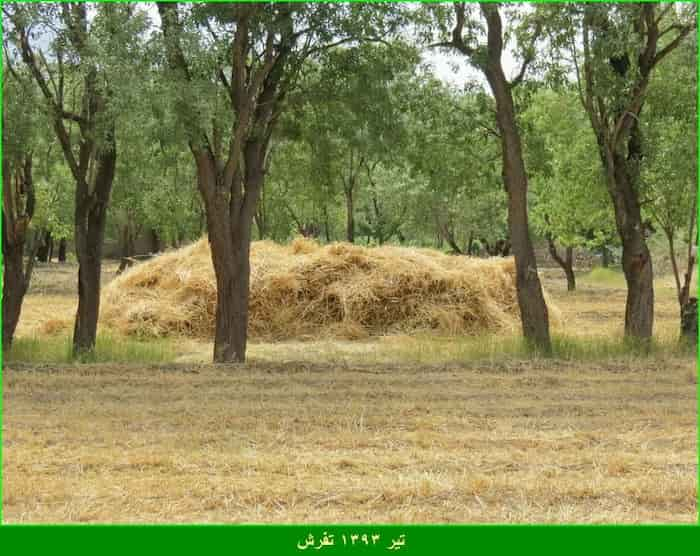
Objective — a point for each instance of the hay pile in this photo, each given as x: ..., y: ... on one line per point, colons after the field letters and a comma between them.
x: 305, y: 290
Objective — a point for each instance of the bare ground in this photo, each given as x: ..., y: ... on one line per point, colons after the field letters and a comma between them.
x: 357, y: 432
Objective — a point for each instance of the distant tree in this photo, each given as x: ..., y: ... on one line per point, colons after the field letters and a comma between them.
x: 570, y: 204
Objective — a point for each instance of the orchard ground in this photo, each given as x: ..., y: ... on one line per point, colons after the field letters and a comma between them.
x: 397, y: 429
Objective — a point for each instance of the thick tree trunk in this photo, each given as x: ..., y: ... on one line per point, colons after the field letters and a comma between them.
x: 636, y: 258
x: 90, y: 220
x: 13, y: 289
x: 62, y: 246
x: 567, y: 263
x: 533, y: 309
x: 229, y: 226
x: 232, y: 264
x: 689, y: 321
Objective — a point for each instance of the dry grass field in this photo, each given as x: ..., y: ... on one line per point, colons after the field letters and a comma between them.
x: 396, y: 429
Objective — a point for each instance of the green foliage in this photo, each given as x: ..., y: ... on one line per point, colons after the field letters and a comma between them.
x: 569, y: 200
x: 669, y: 169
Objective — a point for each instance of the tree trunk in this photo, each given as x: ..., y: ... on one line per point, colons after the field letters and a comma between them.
x: 567, y: 263
x: 62, y: 245
x: 128, y: 244
x: 232, y: 264
x: 15, y: 285
x: 350, y: 219
x: 13, y: 291
x: 229, y: 227
x: 636, y: 258
x: 42, y: 253
x: 674, y: 263
x: 689, y: 321
x: 688, y: 275
x: 90, y: 220
x: 49, y: 255
x: 155, y: 241
x: 533, y: 309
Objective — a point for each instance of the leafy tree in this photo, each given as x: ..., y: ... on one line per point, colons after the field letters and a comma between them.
x: 622, y: 45
x: 256, y: 53
x: 19, y: 136
x: 455, y: 150
x: 61, y: 47
x: 669, y: 169
x: 570, y: 204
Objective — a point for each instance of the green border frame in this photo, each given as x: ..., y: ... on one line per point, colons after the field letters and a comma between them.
x: 284, y: 539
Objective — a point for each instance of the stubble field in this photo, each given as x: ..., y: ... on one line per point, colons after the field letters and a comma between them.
x: 399, y: 429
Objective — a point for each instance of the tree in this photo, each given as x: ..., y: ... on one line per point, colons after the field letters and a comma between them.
x: 19, y: 130
x: 487, y: 58
x: 669, y: 169
x: 79, y: 54
x: 258, y: 50
x: 570, y: 206
x: 622, y: 45
x: 454, y: 153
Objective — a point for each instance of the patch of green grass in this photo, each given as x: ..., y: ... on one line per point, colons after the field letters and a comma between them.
x: 514, y: 348
x: 109, y: 349
x: 604, y: 277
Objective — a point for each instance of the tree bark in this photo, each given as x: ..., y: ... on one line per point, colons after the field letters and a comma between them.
x: 567, y: 263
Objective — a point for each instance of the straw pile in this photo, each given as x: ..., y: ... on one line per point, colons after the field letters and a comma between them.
x: 305, y: 290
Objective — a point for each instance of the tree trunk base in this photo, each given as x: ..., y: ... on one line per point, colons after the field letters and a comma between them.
x: 689, y: 322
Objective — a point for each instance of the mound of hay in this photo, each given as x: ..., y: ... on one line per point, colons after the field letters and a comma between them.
x: 305, y: 290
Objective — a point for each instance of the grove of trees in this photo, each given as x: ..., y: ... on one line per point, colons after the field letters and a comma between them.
x: 576, y: 129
